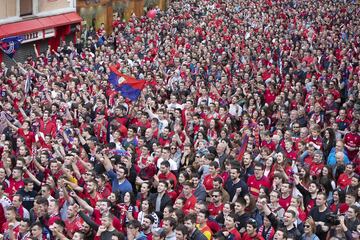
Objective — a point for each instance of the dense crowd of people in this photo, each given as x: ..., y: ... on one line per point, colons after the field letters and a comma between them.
x: 247, y: 128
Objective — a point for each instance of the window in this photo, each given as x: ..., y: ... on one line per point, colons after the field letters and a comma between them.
x: 26, y: 7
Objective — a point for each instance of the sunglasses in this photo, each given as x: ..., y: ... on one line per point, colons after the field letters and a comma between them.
x: 307, y: 226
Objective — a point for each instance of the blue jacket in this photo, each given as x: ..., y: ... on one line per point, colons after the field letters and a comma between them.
x: 331, y: 161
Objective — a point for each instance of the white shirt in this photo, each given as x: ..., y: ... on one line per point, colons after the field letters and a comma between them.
x: 173, y: 165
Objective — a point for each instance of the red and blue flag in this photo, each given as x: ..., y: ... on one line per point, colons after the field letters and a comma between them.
x: 128, y: 86
x: 10, y: 45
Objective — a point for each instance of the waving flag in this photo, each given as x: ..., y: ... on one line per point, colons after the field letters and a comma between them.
x: 10, y: 45
x: 129, y: 87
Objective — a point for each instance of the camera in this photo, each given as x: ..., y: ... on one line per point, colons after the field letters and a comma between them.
x: 332, y: 219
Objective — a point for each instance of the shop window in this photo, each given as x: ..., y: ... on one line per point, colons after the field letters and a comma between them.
x: 26, y: 7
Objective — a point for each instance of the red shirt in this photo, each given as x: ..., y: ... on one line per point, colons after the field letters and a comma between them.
x: 92, y: 200
x: 5, y: 228
x: 270, y: 145
x: 257, y: 236
x: 310, y: 205
x: 189, y: 204
x: 353, y: 140
x: 47, y: 128
x: 315, y: 168
x: 255, y: 184
x: 167, y: 176
x: 208, y: 182
x: 29, y: 137
x: 14, y: 186
x: 269, y: 96
x: 318, y: 141
x: 285, y: 202
x: 339, y: 208
x: 72, y: 227
x: 344, y: 180
x: 214, y: 210
x: 235, y: 233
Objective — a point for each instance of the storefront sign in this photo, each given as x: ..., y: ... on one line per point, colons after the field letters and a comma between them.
x: 49, y: 33
x: 34, y: 36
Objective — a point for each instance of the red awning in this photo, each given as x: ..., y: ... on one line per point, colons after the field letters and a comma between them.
x: 33, y: 25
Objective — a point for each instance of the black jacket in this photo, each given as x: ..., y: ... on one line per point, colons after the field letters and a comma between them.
x: 294, y: 232
x: 165, y: 200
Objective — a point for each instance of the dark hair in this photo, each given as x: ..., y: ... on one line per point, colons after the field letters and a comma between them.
x: 151, y: 205
x: 252, y: 222
x: 27, y: 181
x: 214, y: 164
x: 182, y: 228
x: 132, y: 198
x: 171, y: 220
x: 42, y: 201
x: 38, y: 224
x: 241, y: 201
x: 218, y: 179
x: 170, y: 208
x: 164, y: 182
x: 135, y: 224
x: 205, y: 212
x: 191, y: 217
x: 260, y: 164
x: 60, y: 223
x: 165, y: 164
x: 150, y: 217
x: 119, y: 235
x: 180, y: 215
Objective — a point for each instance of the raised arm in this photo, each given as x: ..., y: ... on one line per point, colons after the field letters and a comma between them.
x: 16, y: 128
x: 82, y: 203
x: 35, y: 180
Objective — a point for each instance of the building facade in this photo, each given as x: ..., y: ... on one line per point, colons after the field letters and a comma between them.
x: 42, y: 22
x: 97, y: 12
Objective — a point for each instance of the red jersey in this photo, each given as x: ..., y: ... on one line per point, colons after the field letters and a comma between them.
x: 189, y: 204
x: 215, y: 210
x: 28, y: 137
x: 315, y: 169
x: 285, y: 202
x: 353, y: 140
x: 344, y: 180
x: 208, y: 182
x: 257, y: 236
x: 310, y: 205
x: 339, y: 208
x: 255, y: 184
x: 92, y: 200
x: 47, y: 128
x: 167, y: 176
x: 318, y: 141
x: 270, y: 145
x: 235, y: 233
x: 14, y: 186
x: 73, y: 226
x: 5, y: 227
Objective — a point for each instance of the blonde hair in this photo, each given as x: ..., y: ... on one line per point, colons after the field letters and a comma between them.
x: 311, y: 222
